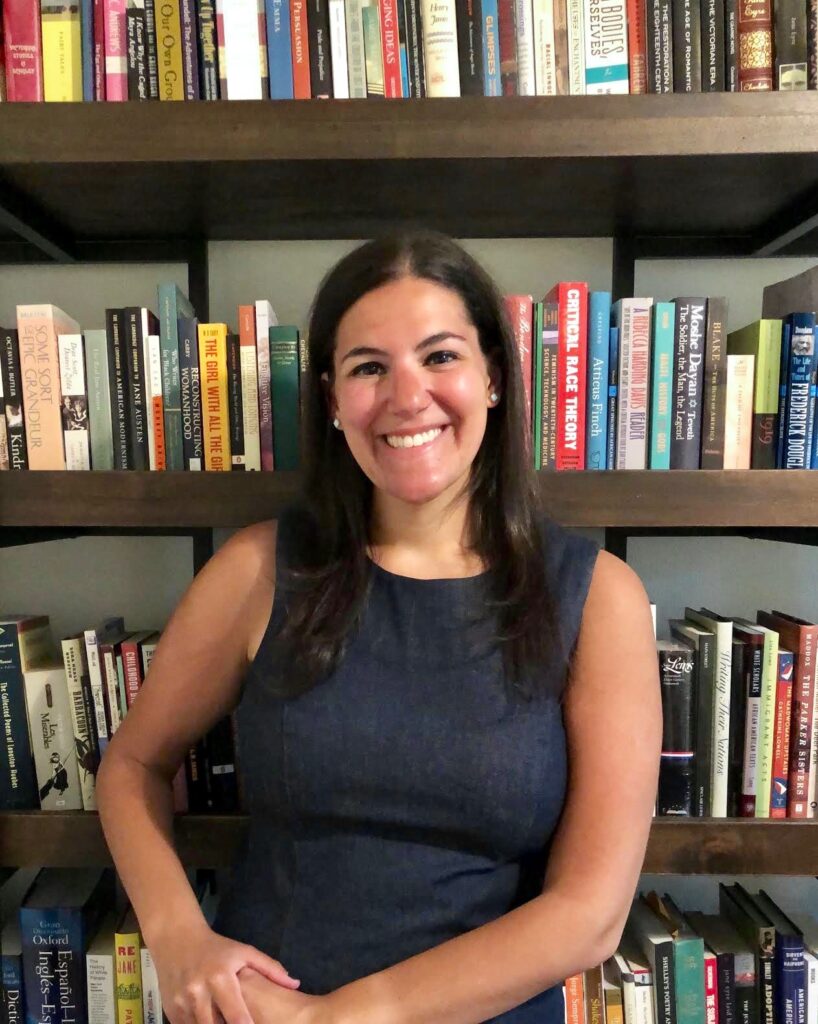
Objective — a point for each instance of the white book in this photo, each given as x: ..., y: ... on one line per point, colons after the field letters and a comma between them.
x: 576, y: 48
x: 74, y: 401
x: 338, y: 49
x: 738, y: 411
x: 723, y: 634
x: 356, y: 60
x: 524, y: 19
x: 155, y: 407
x: 76, y: 668
x: 100, y: 973
x: 545, y: 66
x: 766, y: 721
x: 148, y: 404
x: 440, y: 47
x: 606, y: 47
x: 624, y: 976
x: 92, y: 638
x: 99, y: 400
x: 265, y: 319
x: 632, y: 317
x: 151, y: 997
x: 241, y: 49
x: 248, y: 365
x: 52, y: 738
x: 812, y: 987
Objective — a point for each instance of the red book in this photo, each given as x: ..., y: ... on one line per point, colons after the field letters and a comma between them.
x: 781, y: 735
x: 24, y: 51
x: 800, y: 637
x: 572, y: 350
x: 116, y: 51
x: 711, y: 989
x: 507, y: 36
x: 2, y: 64
x: 299, y: 33
x: 520, y: 310
x: 637, y: 53
x: 390, y: 44
x: 755, y: 45
x: 99, y: 50
x: 132, y: 664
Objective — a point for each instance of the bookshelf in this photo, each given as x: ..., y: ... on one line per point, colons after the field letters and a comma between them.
x: 684, y: 175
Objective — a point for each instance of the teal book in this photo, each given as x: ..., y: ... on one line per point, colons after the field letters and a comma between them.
x: 536, y: 405
x: 596, y: 406
x: 688, y: 961
x: 664, y: 317
x: 284, y: 385
x: 173, y: 303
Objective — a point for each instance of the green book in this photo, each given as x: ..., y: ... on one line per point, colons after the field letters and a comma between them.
x: 284, y: 386
x: 173, y: 303
x: 536, y: 404
x: 762, y: 339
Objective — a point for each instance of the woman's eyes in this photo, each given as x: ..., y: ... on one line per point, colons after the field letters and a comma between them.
x: 438, y: 358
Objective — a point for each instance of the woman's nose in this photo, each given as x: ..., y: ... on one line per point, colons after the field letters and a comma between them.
x: 407, y: 392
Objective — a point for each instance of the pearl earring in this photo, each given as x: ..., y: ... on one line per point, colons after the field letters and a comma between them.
x: 494, y: 397
x: 336, y: 423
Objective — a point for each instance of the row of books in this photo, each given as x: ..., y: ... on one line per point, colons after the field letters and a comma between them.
x: 283, y: 49
x: 72, y: 953
x: 59, y: 712
x: 644, y: 384
x: 750, y: 963
x: 148, y: 393
x: 740, y: 724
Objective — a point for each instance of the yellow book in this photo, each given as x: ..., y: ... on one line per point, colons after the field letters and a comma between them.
x: 128, y: 946
x: 169, y: 51
x: 213, y: 382
x: 62, y: 52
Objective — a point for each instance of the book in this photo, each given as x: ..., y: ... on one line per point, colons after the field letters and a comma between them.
x: 440, y: 47
x: 128, y: 960
x: 319, y: 42
x: 738, y: 412
x: 12, y: 894
x: 101, y: 634
x: 284, y: 386
x: 789, y: 965
x: 12, y: 388
x: 208, y: 50
x: 781, y: 734
x: 338, y: 49
x: 790, y: 46
x: 677, y: 765
x: 754, y: 927
x: 23, y: 47
x: 99, y: 400
x: 715, y: 370
x: 100, y: 972
x: 703, y: 642
x: 632, y: 318
x: 190, y: 394
x: 688, y: 382
x: 155, y: 404
x: 83, y: 721
x: 735, y: 967
x: 766, y: 725
x: 52, y: 738
x: 62, y: 51
x: 664, y: 314
x: 119, y: 389
x: 213, y: 369
x: 755, y: 45
x: 712, y: 39
x: 139, y: 324
x: 190, y: 49
x: 656, y: 943
x: 687, y: 46
x: 74, y: 398
x: 606, y: 47
x: 172, y: 305
x: 688, y: 960
x: 800, y: 408
x: 116, y: 50
x: 596, y: 427
x: 762, y: 340
x: 572, y: 297
x: 613, y: 396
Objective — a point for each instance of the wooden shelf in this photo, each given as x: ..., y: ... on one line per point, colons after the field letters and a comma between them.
x: 597, y: 166
x: 695, y: 499
x: 676, y: 846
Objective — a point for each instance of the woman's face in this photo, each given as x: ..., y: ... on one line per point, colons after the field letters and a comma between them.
x: 412, y: 388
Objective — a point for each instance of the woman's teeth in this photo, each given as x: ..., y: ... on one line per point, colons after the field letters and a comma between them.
x: 413, y: 440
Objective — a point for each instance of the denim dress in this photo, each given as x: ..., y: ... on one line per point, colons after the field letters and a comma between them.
x: 407, y: 798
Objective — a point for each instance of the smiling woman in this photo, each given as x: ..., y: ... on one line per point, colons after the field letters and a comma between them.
x: 447, y: 706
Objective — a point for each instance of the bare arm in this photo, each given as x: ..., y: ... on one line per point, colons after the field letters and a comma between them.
x: 613, y: 722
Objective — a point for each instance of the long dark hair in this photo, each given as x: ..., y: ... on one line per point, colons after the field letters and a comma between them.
x: 328, y: 576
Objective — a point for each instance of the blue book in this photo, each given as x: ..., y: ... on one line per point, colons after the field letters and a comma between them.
x: 789, y: 964
x: 613, y: 386
x: 814, y: 399
x: 800, y: 405
x: 780, y: 786
x: 596, y: 406
x: 664, y: 319
x: 783, y: 380
x: 58, y: 918
x: 491, y: 50
x: 279, y: 50
x: 172, y: 304
x: 87, y: 29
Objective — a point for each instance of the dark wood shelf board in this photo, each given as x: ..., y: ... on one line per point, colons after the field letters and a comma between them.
x: 708, y: 165
x: 700, y: 499
x: 676, y: 846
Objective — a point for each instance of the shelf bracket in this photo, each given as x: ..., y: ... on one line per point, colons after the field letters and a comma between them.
x: 787, y: 228
x: 31, y: 224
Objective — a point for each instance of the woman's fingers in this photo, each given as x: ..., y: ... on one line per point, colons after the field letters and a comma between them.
x: 271, y: 969
x: 229, y: 1000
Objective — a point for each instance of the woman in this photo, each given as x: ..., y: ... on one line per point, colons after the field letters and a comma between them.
x: 448, y: 709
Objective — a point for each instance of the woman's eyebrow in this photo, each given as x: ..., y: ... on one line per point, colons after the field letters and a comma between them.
x: 367, y: 350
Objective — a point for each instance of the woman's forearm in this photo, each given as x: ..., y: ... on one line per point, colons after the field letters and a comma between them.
x: 485, y: 972
x: 136, y: 809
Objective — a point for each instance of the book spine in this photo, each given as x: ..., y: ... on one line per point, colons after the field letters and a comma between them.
x: 53, y: 964
x: 766, y: 731
x: 606, y: 47
x: 300, y: 49
x: 265, y: 403
x: 151, y: 996
x: 221, y: 768
x: 234, y: 404
x: 284, y: 389
x: 613, y: 395
x: 711, y: 989
x: 99, y: 50
x: 790, y: 46
x: 208, y: 51
x: 664, y: 314
x: 37, y: 336
x: 507, y: 36
x: 545, y: 66
x: 414, y: 46
x: 169, y: 51
x: 526, y: 84
x: 800, y: 400
x: 128, y: 960
x: 118, y: 387
x: 74, y: 401
x: 536, y: 415
x: 548, y: 388
x: 356, y: 63
x: 390, y: 48
x: 190, y: 49
x: 4, y: 445
x: 781, y: 740
x: 571, y: 382
x: 138, y: 87
x: 738, y: 412
x: 753, y: 670
x: 688, y: 964
x: 100, y: 976
x: 755, y: 45
x: 470, y: 46
x: 249, y: 388
x: 338, y: 49
x: 812, y: 44
x: 714, y: 385
x: 151, y: 50
x: 116, y: 67
x: 62, y: 51
x: 576, y: 47
x: 13, y: 400
x: 676, y: 769
x: 320, y: 60
x: 633, y: 320
x: 637, y: 47
x: 562, y: 60
x: 688, y: 383
x: 403, y: 49
x: 18, y: 783
x: 731, y: 81
x: 520, y: 309
x: 113, y: 709
x: 373, y: 51
x: 240, y: 72
x: 52, y: 739
x: 213, y: 378
x: 599, y: 328
x: 87, y: 31
x: 133, y: 670
x: 156, y: 416
x: 82, y: 721
x: 712, y: 38
x: 135, y: 348
x: 169, y: 341
x: 97, y: 688
x: 190, y: 395
x: 783, y: 393
x: 23, y: 47
x: 687, y: 46
x: 440, y: 47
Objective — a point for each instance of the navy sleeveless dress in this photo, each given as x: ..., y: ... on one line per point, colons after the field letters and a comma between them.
x: 406, y: 799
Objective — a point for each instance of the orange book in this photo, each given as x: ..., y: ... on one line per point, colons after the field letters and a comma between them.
x: 249, y: 388
x: 301, y: 50
x: 38, y: 327
x: 575, y: 999
x: 213, y: 380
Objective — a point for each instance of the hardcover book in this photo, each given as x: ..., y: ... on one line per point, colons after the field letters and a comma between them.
x: 762, y: 340
x: 688, y: 383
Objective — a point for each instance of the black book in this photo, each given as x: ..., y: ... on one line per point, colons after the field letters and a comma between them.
x: 403, y: 49
x: 138, y: 87
x: 13, y: 398
x: 704, y: 684
x: 196, y: 775
x: 790, y: 45
x: 119, y: 386
x: 320, y: 58
x: 712, y: 46
x: 190, y: 48
x: 731, y: 45
x: 234, y: 403
x: 812, y: 44
x: 688, y: 383
x: 140, y: 322
x: 222, y: 790
x: 677, y: 765
x: 470, y: 46
x: 687, y: 46
x: 190, y: 394
x: 151, y: 51
x: 208, y: 50
x: 757, y: 930
x: 735, y: 968
x: 659, y: 46
x: 715, y: 381
x: 789, y: 965
x: 656, y: 942
x: 414, y: 48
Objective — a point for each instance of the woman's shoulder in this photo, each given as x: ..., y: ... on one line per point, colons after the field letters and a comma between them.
x: 252, y: 550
